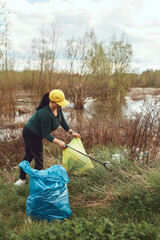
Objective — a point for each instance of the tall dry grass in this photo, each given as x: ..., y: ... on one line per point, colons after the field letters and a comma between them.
x: 8, y: 82
x: 139, y: 134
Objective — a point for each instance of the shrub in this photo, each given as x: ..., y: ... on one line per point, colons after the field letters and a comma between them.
x: 94, y: 228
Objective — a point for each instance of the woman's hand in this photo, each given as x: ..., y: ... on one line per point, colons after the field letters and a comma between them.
x: 75, y: 135
x: 60, y: 143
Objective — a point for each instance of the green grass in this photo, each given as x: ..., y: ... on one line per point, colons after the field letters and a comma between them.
x: 120, y: 203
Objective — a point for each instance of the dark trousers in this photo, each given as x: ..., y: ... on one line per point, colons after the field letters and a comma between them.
x: 33, y: 149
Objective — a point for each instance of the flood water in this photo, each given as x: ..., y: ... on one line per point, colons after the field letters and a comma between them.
x: 134, y: 101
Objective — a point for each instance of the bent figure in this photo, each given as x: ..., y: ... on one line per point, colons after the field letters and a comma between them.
x: 47, y: 118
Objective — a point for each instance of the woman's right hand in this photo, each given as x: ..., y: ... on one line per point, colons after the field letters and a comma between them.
x: 60, y: 143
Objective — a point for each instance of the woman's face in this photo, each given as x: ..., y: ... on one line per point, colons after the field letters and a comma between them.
x: 55, y: 105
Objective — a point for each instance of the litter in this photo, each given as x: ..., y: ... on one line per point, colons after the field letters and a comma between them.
x: 75, y: 159
x: 82, y: 152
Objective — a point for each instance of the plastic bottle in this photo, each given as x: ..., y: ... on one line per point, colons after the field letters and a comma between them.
x: 146, y: 156
x: 141, y: 157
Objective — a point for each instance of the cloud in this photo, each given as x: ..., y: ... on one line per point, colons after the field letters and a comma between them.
x: 139, y: 19
x: 34, y: 1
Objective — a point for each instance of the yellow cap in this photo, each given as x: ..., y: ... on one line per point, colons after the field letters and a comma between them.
x: 57, y: 96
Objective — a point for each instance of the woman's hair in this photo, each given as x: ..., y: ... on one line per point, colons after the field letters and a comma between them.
x: 44, y: 101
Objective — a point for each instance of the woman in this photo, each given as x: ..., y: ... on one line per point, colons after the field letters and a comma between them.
x: 47, y: 118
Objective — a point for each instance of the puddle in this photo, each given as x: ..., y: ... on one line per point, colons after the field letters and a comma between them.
x: 8, y: 134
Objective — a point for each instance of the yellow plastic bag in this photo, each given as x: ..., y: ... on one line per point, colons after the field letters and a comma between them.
x: 75, y: 162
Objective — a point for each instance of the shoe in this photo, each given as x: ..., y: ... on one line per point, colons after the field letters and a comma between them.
x: 20, y: 182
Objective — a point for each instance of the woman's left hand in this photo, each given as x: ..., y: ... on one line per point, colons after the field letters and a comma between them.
x: 75, y: 135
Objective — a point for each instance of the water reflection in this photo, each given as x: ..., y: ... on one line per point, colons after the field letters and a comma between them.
x: 132, y: 107
x: 93, y: 111
x: 8, y: 134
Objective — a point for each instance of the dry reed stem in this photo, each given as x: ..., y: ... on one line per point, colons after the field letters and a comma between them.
x: 95, y: 202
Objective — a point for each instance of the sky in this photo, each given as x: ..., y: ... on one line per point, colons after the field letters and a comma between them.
x: 139, y: 19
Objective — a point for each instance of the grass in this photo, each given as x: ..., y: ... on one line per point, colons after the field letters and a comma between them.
x: 120, y: 203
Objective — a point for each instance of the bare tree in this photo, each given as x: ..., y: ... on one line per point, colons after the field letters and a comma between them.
x: 99, y: 70
x: 6, y: 65
x: 54, y: 37
x: 78, y: 52
x: 119, y: 54
x: 44, y: 54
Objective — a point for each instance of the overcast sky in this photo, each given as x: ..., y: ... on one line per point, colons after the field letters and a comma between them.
x: 139, y: 19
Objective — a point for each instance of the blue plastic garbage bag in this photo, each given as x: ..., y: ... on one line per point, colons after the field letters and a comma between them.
x: 48, y: 199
